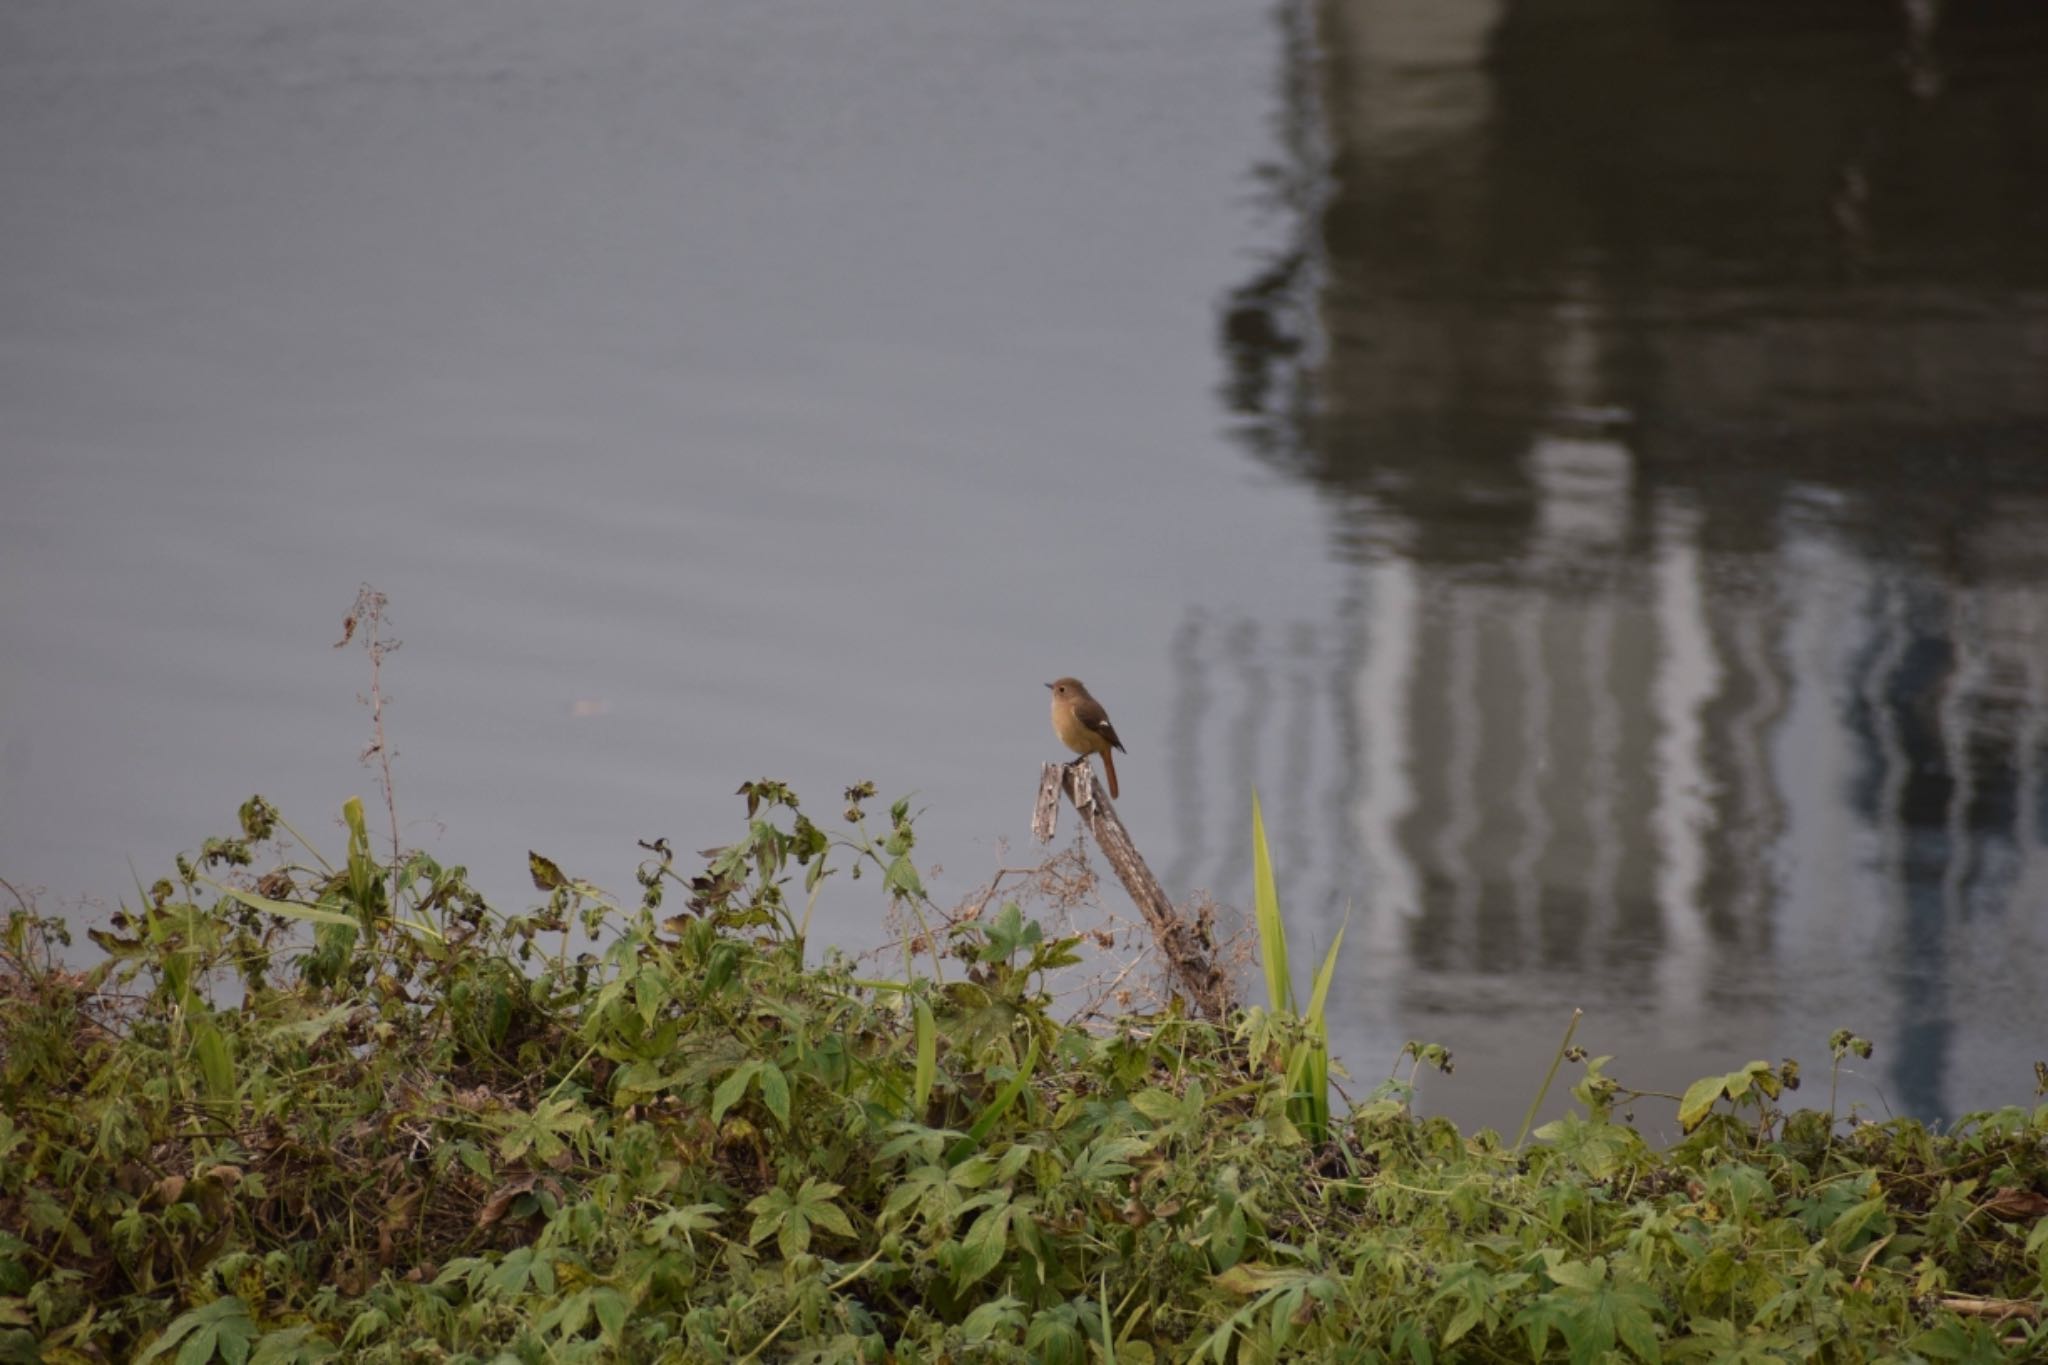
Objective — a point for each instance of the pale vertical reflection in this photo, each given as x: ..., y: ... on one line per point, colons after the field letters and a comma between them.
x: 1455, y: 849
x: 1584, y: 496
x: 1352, y: 877
x: 1894, y: 638
x: 1386, y: 791
x: 1757, y: 811
x: 1296, y: 837
x: 1688, y: 677
x: 2028, y: 799
x: 1526, y: 624
x: 1958, y: 702
x: 1814, y: 754
x: 1603, y: 779
x: 1891, y: 910
x: 2030, y: 886
x: 1583, y: 488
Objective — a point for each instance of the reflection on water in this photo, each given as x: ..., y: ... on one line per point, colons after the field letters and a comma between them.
x: 1677, y: 378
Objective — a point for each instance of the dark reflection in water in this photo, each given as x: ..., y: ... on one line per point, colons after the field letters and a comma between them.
x: 1677, y: 378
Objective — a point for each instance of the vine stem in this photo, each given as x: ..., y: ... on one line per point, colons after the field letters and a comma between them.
x: 1529, y: 1119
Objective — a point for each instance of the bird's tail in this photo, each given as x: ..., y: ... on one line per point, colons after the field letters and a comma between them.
x: 1109, y: 766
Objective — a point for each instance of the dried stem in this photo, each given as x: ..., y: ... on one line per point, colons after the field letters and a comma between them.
x: 368, y: 611
x: 1186, y: 945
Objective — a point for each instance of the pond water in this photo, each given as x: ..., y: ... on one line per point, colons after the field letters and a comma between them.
x: 1585, y: 464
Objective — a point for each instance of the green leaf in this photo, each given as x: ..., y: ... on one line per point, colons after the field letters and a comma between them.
x: 1846, y: 1230
x: 649, y: 992
x: 769, y: 1210
x: 1699, y: 1101
x: 983, y: 1247
x: 610, y: 1308
x: 312, y: 1030
x: 814, y: 1201
x: 1633, y: 1325
x: 1961, y: 1341
x: 1105, y: 1159
x: 1005, y: 1315
x: 1581, y: 1275
x: 521, y: 1267
x: 302, y: 1345
x: 682, y: 1223
x: 902, y: 878
x: 832, y: 1218
x: 221, y: 1328
x: 775, y: 1092
x: 1160, y: 1106
x: 732, y: 1088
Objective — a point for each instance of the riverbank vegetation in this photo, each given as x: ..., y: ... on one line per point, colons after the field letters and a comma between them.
x: 306, y: 1109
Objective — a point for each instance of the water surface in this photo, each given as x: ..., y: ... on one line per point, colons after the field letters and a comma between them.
x: 1583, y: 463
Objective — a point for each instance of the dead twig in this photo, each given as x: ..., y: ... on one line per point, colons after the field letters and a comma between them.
x: 1999, y: 1310
x: 1185, y: 944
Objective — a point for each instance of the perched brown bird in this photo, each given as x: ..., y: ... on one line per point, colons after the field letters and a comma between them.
x: 1083, y: 726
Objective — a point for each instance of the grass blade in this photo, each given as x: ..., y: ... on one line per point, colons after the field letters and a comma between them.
x: 1266, y: 913
x: 289, y: 909
x: 997, y: 1107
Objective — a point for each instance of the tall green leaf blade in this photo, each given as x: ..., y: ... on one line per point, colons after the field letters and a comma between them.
x: 216, y: 1065
x: 1315, y: 1078
x: 997, y: 1107
x: 1266, y: 913
x: 1320, y: 993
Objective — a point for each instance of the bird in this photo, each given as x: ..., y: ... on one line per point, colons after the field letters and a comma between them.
x: 1083, y: 726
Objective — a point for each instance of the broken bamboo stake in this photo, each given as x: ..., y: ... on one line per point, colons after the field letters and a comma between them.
x: 1190, y: 955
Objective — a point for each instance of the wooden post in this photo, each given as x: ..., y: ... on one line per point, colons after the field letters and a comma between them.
x: 1190, y: 956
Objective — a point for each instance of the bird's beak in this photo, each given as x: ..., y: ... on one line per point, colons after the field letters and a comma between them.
x: 1048, y: 687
